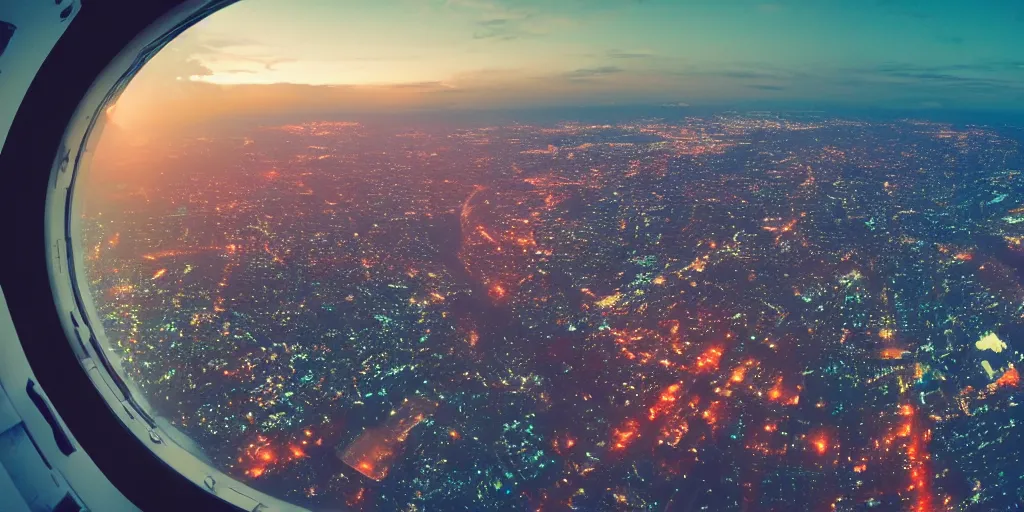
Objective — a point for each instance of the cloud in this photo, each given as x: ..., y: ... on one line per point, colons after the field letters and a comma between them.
x: 238, y: 53
x: 497, y: 22
x: 271, y: 62
x: 616, y: 54
x: 193, y: 67
x: 434, y: 86
x: 753, y: 75
x: 976, y: 67
x: 766, y: 87
x: 584, y: 73
x: 268, y: 63
x: 481, y: 5
x: 217, y: 43
x: 890, y: 83
x: 194, y: 103
x: 881, y: 80
x: 753, y: 71
x: 1007, y: 75
x: 502, y: 21
x: 238, y: 50
x: 506, y: 29
x: 495, y: 35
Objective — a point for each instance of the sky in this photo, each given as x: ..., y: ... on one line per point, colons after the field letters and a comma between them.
x: 270, y: 57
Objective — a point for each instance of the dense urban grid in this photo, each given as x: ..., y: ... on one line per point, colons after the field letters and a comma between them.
x: 730, y: 312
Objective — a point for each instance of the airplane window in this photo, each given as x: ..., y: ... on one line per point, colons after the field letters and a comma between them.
x: 510, y: 255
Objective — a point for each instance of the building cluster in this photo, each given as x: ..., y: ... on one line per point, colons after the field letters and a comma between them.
x: 733, y: 312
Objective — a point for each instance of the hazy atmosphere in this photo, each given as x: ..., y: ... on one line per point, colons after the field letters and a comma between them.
x: 320, y: 56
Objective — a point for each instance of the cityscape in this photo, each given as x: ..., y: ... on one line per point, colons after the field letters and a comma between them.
x: 742, y: 310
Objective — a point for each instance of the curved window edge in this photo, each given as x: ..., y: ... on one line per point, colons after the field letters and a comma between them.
x: 70, y: 290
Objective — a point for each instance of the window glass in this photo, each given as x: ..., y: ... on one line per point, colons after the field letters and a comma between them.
x: 497, y: 255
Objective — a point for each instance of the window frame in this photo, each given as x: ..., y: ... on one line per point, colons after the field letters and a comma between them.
x: 102, y: 49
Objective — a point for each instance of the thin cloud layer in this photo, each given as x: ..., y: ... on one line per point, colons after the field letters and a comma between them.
x: 406, y: 54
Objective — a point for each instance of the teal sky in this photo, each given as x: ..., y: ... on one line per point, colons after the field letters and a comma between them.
x: 506, y: 53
